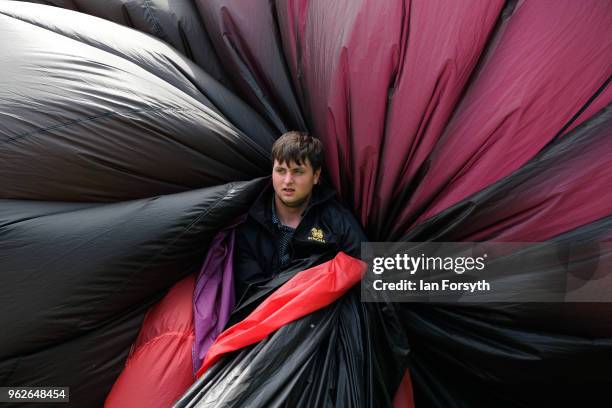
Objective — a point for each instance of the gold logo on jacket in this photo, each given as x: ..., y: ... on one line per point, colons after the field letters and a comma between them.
x: 316, y: 234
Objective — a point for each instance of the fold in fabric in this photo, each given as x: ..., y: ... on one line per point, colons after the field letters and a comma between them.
x: 158, y: 369
x: 213, y: 297
x: 308, y: 291
x: 310, y: 343
x: 484, y: 354
x: 89, y: 273
x: 111, y: 105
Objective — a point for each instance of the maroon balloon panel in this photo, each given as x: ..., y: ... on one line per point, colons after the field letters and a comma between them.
x: 560, y: 198
x: 559, y: 191
x: 408, y: 120
x: 379, y: 81
x: 380, y: 92
x: 550, y: 60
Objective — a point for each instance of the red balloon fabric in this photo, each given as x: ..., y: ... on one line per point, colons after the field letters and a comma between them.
x: 159, y: 369
x: 308, y: 291
x: 404, y: 397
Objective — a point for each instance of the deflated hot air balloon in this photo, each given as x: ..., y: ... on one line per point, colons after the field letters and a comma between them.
x: 133, y: 138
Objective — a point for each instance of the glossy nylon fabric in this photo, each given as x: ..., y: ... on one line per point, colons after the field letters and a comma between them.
x: 240, y: 34
x: 416, y: 118
x: 158, y: 369
x: 307, y: 292
x: 213, y: 296
x: 246, y: 37
x: 323, y: 360
x: 421, y: 106
x: 522, y: 354
x: 436, y: 150
x: 81, y: 276
x: 512, y: 354
x: 110, y: 104
x: 557, y: 191
x: 549, y: 60
x: 175, y: 22
x: 337, y: 351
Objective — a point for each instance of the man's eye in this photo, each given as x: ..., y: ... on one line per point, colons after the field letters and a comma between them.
x: 280, y: 170
x: 299, y: 171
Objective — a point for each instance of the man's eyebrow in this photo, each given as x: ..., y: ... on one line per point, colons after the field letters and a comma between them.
x: 286, y: 166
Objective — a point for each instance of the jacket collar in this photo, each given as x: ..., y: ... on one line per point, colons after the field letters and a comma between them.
x: 261, y: 210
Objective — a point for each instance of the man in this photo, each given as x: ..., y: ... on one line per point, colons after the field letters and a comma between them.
x: 295, y: 218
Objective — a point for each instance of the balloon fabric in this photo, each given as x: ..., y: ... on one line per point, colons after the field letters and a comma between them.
x: 134, y: 135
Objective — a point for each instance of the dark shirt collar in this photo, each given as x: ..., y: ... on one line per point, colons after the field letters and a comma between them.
x: 275, y: 219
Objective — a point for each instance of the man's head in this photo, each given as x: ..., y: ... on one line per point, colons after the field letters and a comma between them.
x: 297, y: 158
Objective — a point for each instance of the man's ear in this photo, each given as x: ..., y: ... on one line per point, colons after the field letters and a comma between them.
x: 317, y: 176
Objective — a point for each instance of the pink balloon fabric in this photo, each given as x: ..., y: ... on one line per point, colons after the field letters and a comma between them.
x: 539, y: 201
x: 388, y: 116
x: 381, y: 90
x: 551, y: 58
x: 421, y: 104
x: 159, y: 370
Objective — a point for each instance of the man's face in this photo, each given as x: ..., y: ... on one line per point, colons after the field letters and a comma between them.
x: 293, y: 183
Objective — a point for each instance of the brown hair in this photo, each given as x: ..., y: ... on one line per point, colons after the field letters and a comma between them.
x: 296, y: 147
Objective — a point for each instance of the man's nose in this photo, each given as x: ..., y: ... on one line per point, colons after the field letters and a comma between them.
x: 288, y: 178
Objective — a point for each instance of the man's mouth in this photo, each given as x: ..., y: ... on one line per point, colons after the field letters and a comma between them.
x: 288, y: 190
